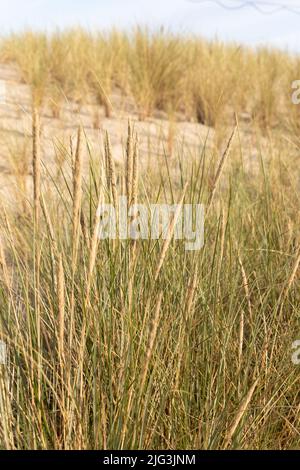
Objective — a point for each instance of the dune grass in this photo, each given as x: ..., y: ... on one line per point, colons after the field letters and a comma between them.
x: 122, y: 344
x: 204, y: 81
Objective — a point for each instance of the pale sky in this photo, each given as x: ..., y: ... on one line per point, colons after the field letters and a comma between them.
x: 206, y: 18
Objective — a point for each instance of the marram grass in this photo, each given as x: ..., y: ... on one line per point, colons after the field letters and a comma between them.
x: 120, y: 345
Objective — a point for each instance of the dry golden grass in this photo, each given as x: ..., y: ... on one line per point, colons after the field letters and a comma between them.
x: 121, y: 344
x: 205, y: 81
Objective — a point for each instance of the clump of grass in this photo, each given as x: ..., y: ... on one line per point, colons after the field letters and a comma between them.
x: 155, y: 61
x: 266, y: 86
x: 115, y: 345
x: 59, y: 87
x: 126, y: 344
x: 69, y: 66
x: 102, y: 66
x: 30, y: 52
x: 183, y: 77
x: 212, y: 81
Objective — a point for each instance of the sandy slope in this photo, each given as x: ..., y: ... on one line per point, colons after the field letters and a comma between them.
x: 15, y: 129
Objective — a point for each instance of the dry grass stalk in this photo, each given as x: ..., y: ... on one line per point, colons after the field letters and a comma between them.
x: 7, y: 415
x: 240, y: 413
x: 53, y: 246
x: 84, y: 229
x: 48, y: 220
x: 151, y: 341
x: 222, y: 246
x: 104, y: 423
x: 241, y: 338
x: 36, y: 163
x: 93, y: 248
x: 129, y: 162
x: 190, y: 295
x: 219, y: 170
x: 77, y: 196
x: 3, y: 265
x: 61, y: 306
x: 71, y: 151
x: 77, y: 193
x: 135, y: 172
x: 148, y: 355
x: 246, y: 286
x: 189, y: 303
x: 111, y: 171
x: 123, y: 185
x: 134, y: 192
x: 167, y: 241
